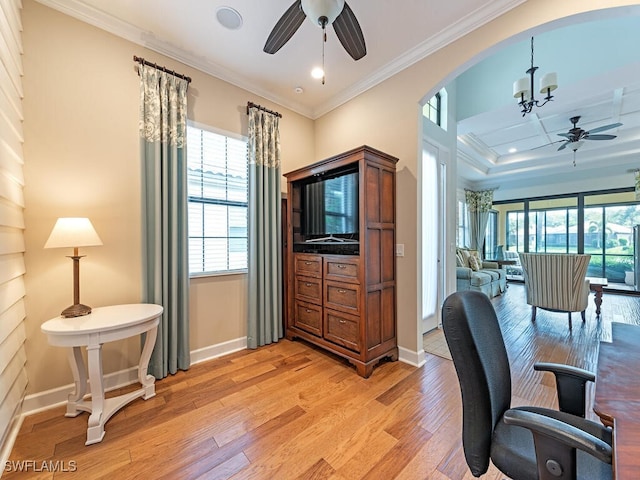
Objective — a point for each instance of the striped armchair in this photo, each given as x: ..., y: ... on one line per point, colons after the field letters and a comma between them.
x: 556, y: 282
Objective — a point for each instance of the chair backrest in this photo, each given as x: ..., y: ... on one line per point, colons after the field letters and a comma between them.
x: 477, y: 348
x: 555, y: 280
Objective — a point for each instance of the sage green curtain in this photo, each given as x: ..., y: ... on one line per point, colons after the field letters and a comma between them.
x: 264, y: 323
x: 163, y: 114
x: 478, y: 204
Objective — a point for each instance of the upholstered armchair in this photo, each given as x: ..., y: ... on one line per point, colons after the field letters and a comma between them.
x: 556, y: 282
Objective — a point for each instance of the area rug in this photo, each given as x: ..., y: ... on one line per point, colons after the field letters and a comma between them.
x: 435, y: 343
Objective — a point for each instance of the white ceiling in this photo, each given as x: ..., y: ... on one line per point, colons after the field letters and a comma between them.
x: 397, y: 35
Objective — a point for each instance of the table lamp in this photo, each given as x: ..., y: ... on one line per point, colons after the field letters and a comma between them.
x: 74, y: 233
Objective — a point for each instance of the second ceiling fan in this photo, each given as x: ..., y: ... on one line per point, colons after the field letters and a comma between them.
x: 577, y: 134
x: 322, y: 13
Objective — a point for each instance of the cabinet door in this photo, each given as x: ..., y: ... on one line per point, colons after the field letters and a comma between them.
x: 342, y: 329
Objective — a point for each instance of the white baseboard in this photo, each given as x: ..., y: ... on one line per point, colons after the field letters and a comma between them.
x: 417, y: 359
x: 218, y: 350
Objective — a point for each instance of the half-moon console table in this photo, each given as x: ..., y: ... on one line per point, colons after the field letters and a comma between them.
x: 103, y: 324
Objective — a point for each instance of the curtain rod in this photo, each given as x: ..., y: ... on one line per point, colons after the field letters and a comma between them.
x: 260, y: 107
x: 164, y: 69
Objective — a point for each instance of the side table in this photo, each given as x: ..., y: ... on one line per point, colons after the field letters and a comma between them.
x: 103, y: 324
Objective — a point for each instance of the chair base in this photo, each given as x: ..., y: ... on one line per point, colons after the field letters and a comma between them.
x: 534, y: 310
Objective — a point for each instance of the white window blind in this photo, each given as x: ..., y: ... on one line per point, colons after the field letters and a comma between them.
x: 217, y: 191
x: 13, y: 357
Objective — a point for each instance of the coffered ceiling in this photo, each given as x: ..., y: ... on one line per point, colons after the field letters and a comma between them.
x: 599, y: 81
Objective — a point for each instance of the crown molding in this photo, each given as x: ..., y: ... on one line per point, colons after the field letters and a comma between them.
x: 109, y: 23
x: 128, y: 31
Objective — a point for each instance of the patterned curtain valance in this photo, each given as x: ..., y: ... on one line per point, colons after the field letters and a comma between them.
x: 264, y: 138
x: 162, y: 96
x: 479, y: 201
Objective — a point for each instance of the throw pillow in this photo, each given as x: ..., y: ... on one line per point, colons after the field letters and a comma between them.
x: 465, y: 257
x: 474, y: 263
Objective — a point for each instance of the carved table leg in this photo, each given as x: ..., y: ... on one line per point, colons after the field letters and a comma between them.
x: 95, y: 431
x: 79, y: 372
x: 598, y: 299
x: 147, y: 381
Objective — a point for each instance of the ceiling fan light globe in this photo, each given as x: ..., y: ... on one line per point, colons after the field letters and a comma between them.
x: 549, y: 82
x: 521, y: 87
x: 576, y: 145
x: 316, y: 9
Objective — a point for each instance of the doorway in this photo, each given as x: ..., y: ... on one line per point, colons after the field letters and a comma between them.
x: 433, y: 181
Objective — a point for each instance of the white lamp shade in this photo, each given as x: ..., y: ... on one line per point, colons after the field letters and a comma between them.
x: 73, y: 232
x: 549, y: 82
x: 314, y: 9
x: 521, y: 87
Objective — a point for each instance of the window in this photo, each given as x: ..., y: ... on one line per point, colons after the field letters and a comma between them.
x: 433, y: 109
x: 217, y: 192
x: 436, y: 109
x: 600, y: 224
x: 463, y: 234
x: 491, y: 235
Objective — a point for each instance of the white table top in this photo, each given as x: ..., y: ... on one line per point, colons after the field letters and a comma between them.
x: 103, y: 319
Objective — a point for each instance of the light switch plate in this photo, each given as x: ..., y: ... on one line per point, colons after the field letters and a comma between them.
x: 399, y: 249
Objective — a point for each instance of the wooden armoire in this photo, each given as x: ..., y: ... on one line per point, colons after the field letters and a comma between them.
x: 341, y: 266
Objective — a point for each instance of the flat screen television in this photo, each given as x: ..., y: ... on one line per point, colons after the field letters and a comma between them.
x: 330, y: 209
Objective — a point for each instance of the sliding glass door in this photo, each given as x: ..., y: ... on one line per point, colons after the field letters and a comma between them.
x: 600, y: 224
x: 608, y: 235
x: 553, y: 225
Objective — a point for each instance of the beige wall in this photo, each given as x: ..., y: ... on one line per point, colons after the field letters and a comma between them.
x: 82, y: 159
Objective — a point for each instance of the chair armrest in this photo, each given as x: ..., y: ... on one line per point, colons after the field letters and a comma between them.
x: 570, y: 385
x: 552, y: 435
x: 493, y: 265
x: 463, y: 272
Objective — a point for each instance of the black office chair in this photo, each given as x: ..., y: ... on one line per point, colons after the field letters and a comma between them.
x: 524, y: 442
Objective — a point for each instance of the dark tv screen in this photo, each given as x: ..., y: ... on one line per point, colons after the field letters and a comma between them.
x: 330, y: 206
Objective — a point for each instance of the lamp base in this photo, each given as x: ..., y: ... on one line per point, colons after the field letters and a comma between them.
x: 77, y: 310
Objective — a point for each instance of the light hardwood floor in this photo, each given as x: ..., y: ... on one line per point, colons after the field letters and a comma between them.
x: 291, y: 411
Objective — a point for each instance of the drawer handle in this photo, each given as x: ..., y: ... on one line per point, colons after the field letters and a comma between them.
x: 343, y: 321
x: 308, y: 284
x: 308, y: 311
x: 308, y: 263
x: 342, y: 266
x: 342, y: 291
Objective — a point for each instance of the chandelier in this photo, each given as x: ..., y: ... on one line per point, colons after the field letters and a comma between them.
x: 523, y: 88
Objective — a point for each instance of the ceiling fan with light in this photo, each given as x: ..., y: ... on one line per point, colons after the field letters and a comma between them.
x: 576, y: 135
x: 322, y: 13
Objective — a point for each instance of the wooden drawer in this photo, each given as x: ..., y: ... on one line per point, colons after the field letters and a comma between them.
x: 342, y: 329
x: 342, y: 296
x: 309, y: 265
x: 308, y: 317
x: 308, y: 289
x: 342, y: 269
